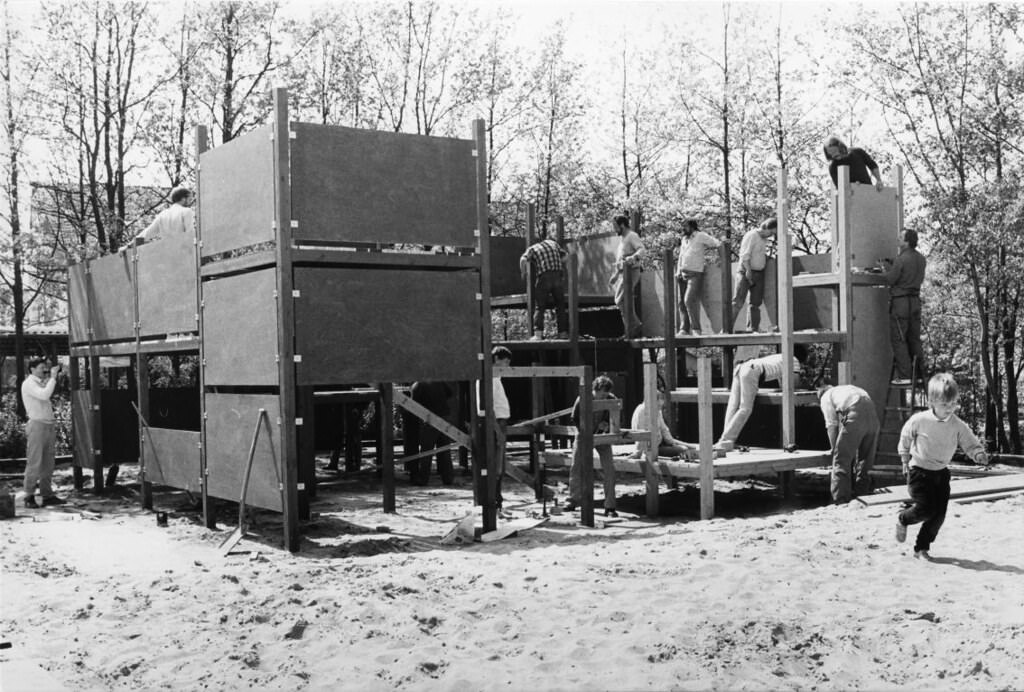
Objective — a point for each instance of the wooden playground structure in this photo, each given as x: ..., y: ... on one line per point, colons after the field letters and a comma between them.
x: 333, y: 265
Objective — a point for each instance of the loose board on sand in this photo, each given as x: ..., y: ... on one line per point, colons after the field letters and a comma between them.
x: 511, y: 528
x: 964, y: 488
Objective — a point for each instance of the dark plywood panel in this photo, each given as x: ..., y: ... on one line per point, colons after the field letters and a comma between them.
x: 231, y: 421
x: 240, y: 329
x: 596, y: 255
x: 171, y: 458
x: 505, y: 277
x: 78, y: 299
x: 81, y: 417
x: 812, y: 307
x: 353, y: 185
x: 368, y: 325
x: 167, y: 285
x: 236, y: 193
x: 113, y: 298
x: 119, y: 427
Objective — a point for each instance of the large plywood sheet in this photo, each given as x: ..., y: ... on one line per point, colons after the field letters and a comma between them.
x: 505, y: 277
x: 872, y: 352
x: 240, y: 329
x: 368, y: 325
x: 812, y: 307
x: 81, y: 427
x: 231, y: 422
x: 874, y: 221
x: 112, y: 303
x: 596, y: 262
x: 236, y: 193
x: 171, y: 458
x: 78, y: 299
x: 167, y: 285
x: 352, y: 185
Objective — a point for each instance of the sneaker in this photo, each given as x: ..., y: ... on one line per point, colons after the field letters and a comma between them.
x: 922, y: 555
x: 682, y: 334
x: 30, y: 502
x: 563, y: 335
x: 724, y: 446
x: 901, y: 531
x: 53, y: 500
x: 611, y: 513
x: 536, y: 337
x: 570, y: 506
x: 901, y: 382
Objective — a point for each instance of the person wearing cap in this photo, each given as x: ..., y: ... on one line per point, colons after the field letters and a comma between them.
x: 750, y: 278
x: 548, y: 259
x: 40, y: 432
x: 177, y: 218
x: 852, y: 426
x: 859, y: 161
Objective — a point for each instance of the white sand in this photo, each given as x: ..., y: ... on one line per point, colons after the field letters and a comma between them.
x: 813, y: 599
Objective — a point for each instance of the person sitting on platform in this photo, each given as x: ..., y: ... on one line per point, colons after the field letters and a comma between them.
x: 627, y: 261
x: 852, y: 425
x: 668, y: 446
x: 501, y: 357
x: 177, y: 218
x: 548, y: 259
x: 753, y: 260
x: 858, y: 160
x: 690, y: 275
x: 603, y: 422
x: 905, y: 277
x: 420, y: 436
x: 746, y: 381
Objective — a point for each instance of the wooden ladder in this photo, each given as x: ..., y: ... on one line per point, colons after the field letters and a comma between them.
x: 901, y: 401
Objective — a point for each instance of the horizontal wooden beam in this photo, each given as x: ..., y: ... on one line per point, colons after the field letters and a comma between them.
x: 430, y: 418
x: 574, y: 371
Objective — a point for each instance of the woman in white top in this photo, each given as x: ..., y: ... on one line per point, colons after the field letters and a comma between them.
x: 690, y: 275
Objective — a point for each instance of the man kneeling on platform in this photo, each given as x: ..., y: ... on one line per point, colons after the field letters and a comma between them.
x: 852, y: 425
x: 747, y: 378
x: 668, y: 446
x: 603, y: 422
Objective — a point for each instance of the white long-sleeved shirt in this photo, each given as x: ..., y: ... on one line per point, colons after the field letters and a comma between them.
x: 36, y: 395
x: 931, y: 442
x: 174, y: 219
x: 502, y: 409
x: 691, y: 251
x: 753, y: 250
x: 639, y: 422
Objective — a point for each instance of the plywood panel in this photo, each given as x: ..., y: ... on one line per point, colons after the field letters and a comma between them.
x: 368, y: 325
x: 231, y: 421
x: 171, y: 458
x: 874, y: 219
x: 78, y: 298
x: 505, y: 277
x: 81, y: 427
x: 353, y: 185
x: 812, y: 307
x: 872, y: 353
x: 596, y: 256
x: 113, y: 298
x: 119, y: 427
x: 167, y: 285
x: 240, y: 329
x: 236, y: 193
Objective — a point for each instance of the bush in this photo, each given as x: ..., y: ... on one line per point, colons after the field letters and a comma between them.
x: 12, y: 428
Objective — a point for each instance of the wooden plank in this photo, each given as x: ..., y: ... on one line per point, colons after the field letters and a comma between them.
x: 653, y: 420
x: 987, y: 497
x: 573, y: 371
x: 81, y: 423
x: 689, y: 395
x: 128, y: 348
x: 240, y: 325
x: 485, y: 467
x: 167, y: 285
x: 238, y: 198
x: 401, y: 258
x: 112, y: 301
x: 233, y: 265
x: 78, y: 303
x: 172, y: 458
x: 230, y: 422
x: 505, y: 277
x: 430, y: 418
x: 958, y: 488
x: 382, y: 187
x: 706, y: 436
x: 348, y: 319
x: 585, y: 446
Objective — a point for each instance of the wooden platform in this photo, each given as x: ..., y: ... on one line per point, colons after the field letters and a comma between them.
x: 755, y: 462
x: 688, y: 395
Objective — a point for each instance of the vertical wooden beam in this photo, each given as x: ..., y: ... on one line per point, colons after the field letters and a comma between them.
x: 202, y: 143
x: 585, y: 446
x: 488, y: 465
x: 536, y: 438
x: 572, y: 273
x: 75, y: 376
x: 386, y: 447
x: 96, y: 421
x: 784, y: 269
x: 671, y: 355
x: 705, y: 417
x: 843, y: 311
x: 531, y: 274
x: 285, y: 321
x: 306, y: 434
x: 653, y: 424
x: 142, y: 388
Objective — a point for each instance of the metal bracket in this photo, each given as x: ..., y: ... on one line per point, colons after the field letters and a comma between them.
x: 298, y: 421
x: 296, y: 293
x: 297, y: 358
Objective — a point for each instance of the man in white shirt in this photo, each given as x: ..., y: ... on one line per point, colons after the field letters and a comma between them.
x: 753, y: 259
x: 501, y: 357
x: 40, y: 432
x: 177, y: 218
x: 852, y: 425
x: 627, y: 265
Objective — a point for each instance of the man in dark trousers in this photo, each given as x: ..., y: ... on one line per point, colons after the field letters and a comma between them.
x: 548, y: 259
x: 905, y: 277
x: 419, y: 436
x: 859, y: 161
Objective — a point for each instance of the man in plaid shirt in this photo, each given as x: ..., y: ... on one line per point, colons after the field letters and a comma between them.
x: 548, y: 259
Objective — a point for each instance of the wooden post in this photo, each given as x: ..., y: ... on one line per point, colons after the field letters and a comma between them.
x: 585, y: 446
x: 288, y: 457
x: 75, y: 375
x: 784, y: 266
x: 201, y: 143
x: 531, y: 274
x: 843, y: 302
x: 536, y: 438
x: 386, y: 447
x: 96, y: 421
x: 653, y: 423
x: 572, y: 272
x: 306, y: 441
x: 671, y: 355
x: 728, y: 319
x: 705, y: 413
x: 142, y: 388
x: 488, y: 465
x: 353, y: 437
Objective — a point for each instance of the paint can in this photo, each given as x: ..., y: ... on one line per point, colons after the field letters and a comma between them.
x: 161, y: 518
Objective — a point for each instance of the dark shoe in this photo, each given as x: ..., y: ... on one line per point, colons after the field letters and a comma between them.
x: 570, y: 506
x: 922, y: 555
x: 611, y: 513
x: 30, y: 502
x: 53, y: 500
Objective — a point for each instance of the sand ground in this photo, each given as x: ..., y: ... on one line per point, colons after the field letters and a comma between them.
x: 773, y: 595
